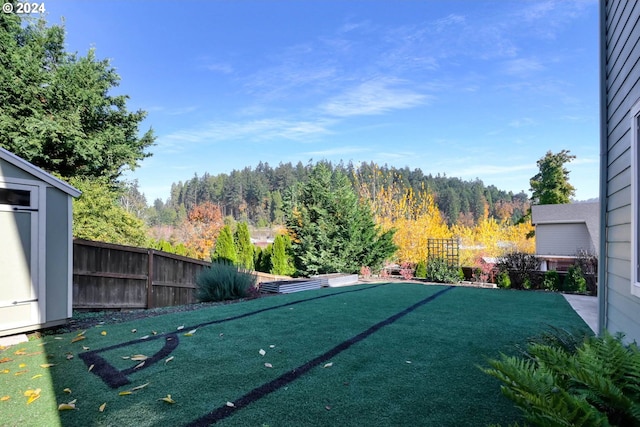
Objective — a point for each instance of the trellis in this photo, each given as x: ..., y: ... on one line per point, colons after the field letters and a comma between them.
x: 446, y: 249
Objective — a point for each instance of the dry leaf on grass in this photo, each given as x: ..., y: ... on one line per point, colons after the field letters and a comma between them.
x: 138, y: 357
x: 262, y: 352
x: 328, y: 365
x: 268, y: 365
x: 67, y: 390
x: 103, y: 333
x: 179, y: 328
x: 125, y: 393
x: 91, y: 367
x: 5, y: 371
x: 21, y: 352
x: 101, y: 408
x: 66, y: 406
x: 47, y: 365
x: 4, y: 398
x: 139, y: 365
x: 32, y: 395
x: 36, y: 376
x: 231, y: 405
x: 22, y: 365
x: 85, y: 348
x: 78, y: 338
x: 140, y: 387
x: 133, y: 331
x: 169, y: 359
x: 190, y: 333
x: 5, y: 360
x: 167, y: 399
x: 144, y: 337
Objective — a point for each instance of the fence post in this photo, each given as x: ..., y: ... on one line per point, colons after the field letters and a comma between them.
x: 150, y: 278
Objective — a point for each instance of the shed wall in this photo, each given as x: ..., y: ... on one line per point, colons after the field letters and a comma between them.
x: 563, y: 239
x: 57, y: 259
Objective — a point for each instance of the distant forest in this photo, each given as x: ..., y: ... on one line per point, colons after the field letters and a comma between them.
x: 256, y: 194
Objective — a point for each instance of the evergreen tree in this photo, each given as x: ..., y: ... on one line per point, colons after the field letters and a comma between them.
x: 332, y: 231
x: 244, y: 247
x: 550, y: 186
x: 281, y: 262
x: 225, y: 249
x: 57, y: 111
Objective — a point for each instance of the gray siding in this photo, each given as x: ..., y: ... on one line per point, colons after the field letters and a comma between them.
x: 57, y: 255
x: 620, y: 79
x: 8, y: 170
x: 563, y: 239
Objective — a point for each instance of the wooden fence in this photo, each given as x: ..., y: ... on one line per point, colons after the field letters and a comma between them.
x: 115, y: 277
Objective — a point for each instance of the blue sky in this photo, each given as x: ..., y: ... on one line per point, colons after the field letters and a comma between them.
x: 470, y: 89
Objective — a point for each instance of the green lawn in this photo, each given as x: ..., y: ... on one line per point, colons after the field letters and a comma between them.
x: 378, y: 355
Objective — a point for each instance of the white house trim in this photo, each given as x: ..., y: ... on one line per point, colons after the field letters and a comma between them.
x: 635, y: 199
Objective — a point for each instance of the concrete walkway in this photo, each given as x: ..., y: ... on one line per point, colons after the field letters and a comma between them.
x: 586, y: 307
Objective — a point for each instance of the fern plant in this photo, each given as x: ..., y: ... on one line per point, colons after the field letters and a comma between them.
x: 596, y: 383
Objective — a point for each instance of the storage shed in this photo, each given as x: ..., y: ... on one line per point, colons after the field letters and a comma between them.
x: 35, y: 247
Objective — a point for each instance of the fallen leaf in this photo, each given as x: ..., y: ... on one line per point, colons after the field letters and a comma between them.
x: 81, y: 333
x: 5, y: 371
x: 36, y: 376
x: 66, y: 407
x: 139, y: 365
x: 272, y: 346
x: 47, y: 365
x: 154, y: 332
x: 91, y: 367
x: 133, y: 331
x: 73, y: 402
x: 139, y: 357
x: 79, y: 338
x: 190, y: 333
x: 262, y: 352
x: 126, y: 357
x: 69, y: 356
x: 231, y: 405
x: 4, y: 398
x: 103, y: 333
x: 85, y: 348
x: 124, y: 393
x: 57, y: 338
x: 21, y: 372
x: 169, y: 359
x: 67, y: 390
x: 101, y: 408
x: 144, y: 337
x: 22, y: 365
x: 33, y: 395
x: 168, y: 399
x: 328, y: 408
x: 140, y: 387
x: 21, y: 352
x: 5, y: 360
x: 408, y: 361
x: 328, y: 365
x: 268, y: 365
x: 179, y: 328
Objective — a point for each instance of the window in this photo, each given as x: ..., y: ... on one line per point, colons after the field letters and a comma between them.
x: 635, y: 196
x: 10, y: 196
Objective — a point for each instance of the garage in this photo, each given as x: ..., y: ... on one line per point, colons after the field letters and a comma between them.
x: 35, y: 247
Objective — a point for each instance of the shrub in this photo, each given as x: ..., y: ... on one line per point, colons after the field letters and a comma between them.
x: 365, y: 272
x: 421, y: 270
x: 438, y: 270
x: 224, y: 281
x: 407, y: 270
x: 520, y: 267
x: 596, y: 383
x: 574, y: 281
x: 503, y: 281
x: 551, y: 280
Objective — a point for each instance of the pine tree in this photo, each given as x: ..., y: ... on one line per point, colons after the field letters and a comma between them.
x: 551, y: 185
x: 225, y: 248
x: 244, y: 247
x: 332, y: 231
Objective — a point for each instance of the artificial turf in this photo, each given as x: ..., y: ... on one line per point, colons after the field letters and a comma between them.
x: 414, y: 363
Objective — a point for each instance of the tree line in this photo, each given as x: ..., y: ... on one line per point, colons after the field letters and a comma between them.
x: 256, y: 195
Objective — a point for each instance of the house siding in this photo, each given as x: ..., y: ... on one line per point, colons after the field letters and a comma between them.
x: 563, y: 239
x: 620, y: 68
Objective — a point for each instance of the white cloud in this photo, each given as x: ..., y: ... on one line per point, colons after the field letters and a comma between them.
x: 522, y: 66
x: 338, y: 151
x: 375, y: 96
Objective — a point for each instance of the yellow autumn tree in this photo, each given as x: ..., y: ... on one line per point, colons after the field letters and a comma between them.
x: 415, y: 217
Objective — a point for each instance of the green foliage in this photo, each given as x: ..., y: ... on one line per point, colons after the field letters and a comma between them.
x: 438, y: 270
x: 281, y: 257
x: 597, y: 383
x: 179, y: 249
x: 550, y: 185
x: 574, y: 281
x: 98, y: 216
x: 225, y: 249
x: 520, y: 267
x: 57, y: 111
x: 421, y: 270
x: 503, y: 281
x: 262, y: 259
x: 224, y: 281
x: 332, y: 231
x: 244, y: 246
x: 551, y: 280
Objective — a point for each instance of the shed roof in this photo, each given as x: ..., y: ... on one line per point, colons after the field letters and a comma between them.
x: 38, y: 173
